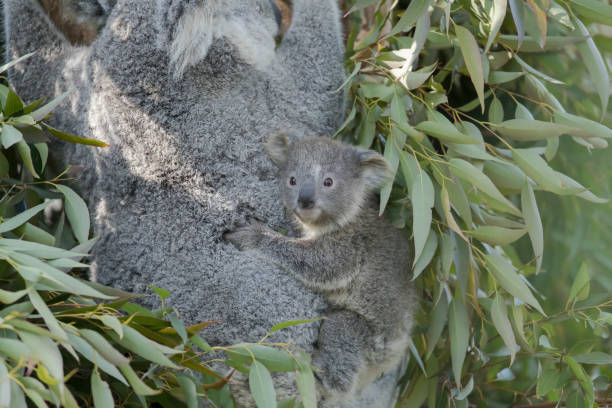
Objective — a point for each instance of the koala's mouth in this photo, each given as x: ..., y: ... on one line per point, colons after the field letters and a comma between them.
x: 308, y: 216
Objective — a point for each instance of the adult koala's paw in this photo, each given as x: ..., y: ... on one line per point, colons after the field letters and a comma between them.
x: 246, y: 237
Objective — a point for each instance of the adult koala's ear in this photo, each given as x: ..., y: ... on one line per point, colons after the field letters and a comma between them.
x: 375, y: 170
x: 277, y: 147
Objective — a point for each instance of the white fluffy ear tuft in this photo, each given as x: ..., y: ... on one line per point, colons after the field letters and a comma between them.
x: 192, y: 39
x: 375, y: 170
x: 276, y: 148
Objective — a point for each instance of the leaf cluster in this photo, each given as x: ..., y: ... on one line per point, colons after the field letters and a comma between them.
x: 469, y: 101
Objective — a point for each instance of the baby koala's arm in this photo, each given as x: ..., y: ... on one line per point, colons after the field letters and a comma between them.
x: 323, y: 263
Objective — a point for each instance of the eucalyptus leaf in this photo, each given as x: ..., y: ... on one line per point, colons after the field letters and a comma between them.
x: 473, y: 62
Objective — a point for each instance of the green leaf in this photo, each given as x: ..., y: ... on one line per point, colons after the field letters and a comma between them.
x: 530, y: 130
x: 499, y: 316
x: 162, y: 293
x: 496, y: 235
x: 37, y: 235
x: 5, y: 386
x: 13, y: 104
x: 16, y: 61
x: 595, y: 10
x: 10, y: 135
x: 112, y: 322
x: 439, y: 316
x: 137, y: 384
x: 201, y: 343
x: 517, y: 7
x: 102, y: 346
x: 65, y: 283
x: 473, y: 175
x: 498, y: 13
x: 261, y: 385
x: 448, y: 215
x: 547, y: 381
x: 10, y: 224
x: 42, y: 112
x: 414, y: 11
x: 501, y: 77
x: 189, y: 388
x: 459, y: 330
x: 473, y: 62
x: 422, y: 197
x: 535, y: 72
x: 582, y: 127
x: 77, y: 213
x: 26, y: 156
x: 445, y: 132
x: 575, y: 399
x: 290, y: 323
x: 87, y: 351
x: 100, y: 391
x: 4, y: 166
x: 522, y: 112
x: 595, y: 357
x: 273, y: 358
x: 287, y: 403
x: 74, y: 139
x: 45, y: 351
x: 531, y: 214
x: 536, y: 168
x: 496, y: 111
x: 580, y: 287
x: 505, y: 274
x: 144, y: 347
x: 393, y: 147
x: 595, y: 65
x: 306, y: 383
x: 426, y: 256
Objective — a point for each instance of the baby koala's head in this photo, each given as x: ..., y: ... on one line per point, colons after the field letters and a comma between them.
x: 325, y: 183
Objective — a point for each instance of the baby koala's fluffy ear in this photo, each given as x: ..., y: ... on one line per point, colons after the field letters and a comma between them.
x: 375, y: 170
x: 277, y: 147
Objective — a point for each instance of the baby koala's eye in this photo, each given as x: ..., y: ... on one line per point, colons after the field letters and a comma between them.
x: 328, y: 182
x: 292, y: 181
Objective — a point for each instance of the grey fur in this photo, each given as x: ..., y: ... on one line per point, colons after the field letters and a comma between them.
x: 358, y: 260
x: 185, y: 161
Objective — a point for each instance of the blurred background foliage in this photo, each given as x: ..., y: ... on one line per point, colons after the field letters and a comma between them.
x: 432, y: 80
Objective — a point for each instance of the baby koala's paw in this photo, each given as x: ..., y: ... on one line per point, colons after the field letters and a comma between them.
x: 247, y: 236
x: 337, y: 375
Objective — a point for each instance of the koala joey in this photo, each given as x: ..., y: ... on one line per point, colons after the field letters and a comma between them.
x: 355, y: 258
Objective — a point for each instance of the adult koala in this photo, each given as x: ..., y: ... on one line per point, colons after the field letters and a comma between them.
x: 185, y: 91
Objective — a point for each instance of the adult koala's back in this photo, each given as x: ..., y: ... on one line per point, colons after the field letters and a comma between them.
x: 185, y: 91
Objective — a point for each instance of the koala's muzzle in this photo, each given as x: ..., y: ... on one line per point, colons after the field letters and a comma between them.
x: 306, y: 196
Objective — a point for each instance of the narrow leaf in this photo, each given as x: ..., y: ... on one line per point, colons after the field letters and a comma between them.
x: 505, y: 274
x: 77, y: 213
x: 102, y: 396
x: 498, y: 14
x: 459, y: 330
x: 531, y: 214
x: 261, y: 385
x: 473, y: 62
x: 499, y: 315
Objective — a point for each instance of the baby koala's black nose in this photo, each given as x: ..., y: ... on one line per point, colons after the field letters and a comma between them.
x: 306, y: 203
x: 306, y: 197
